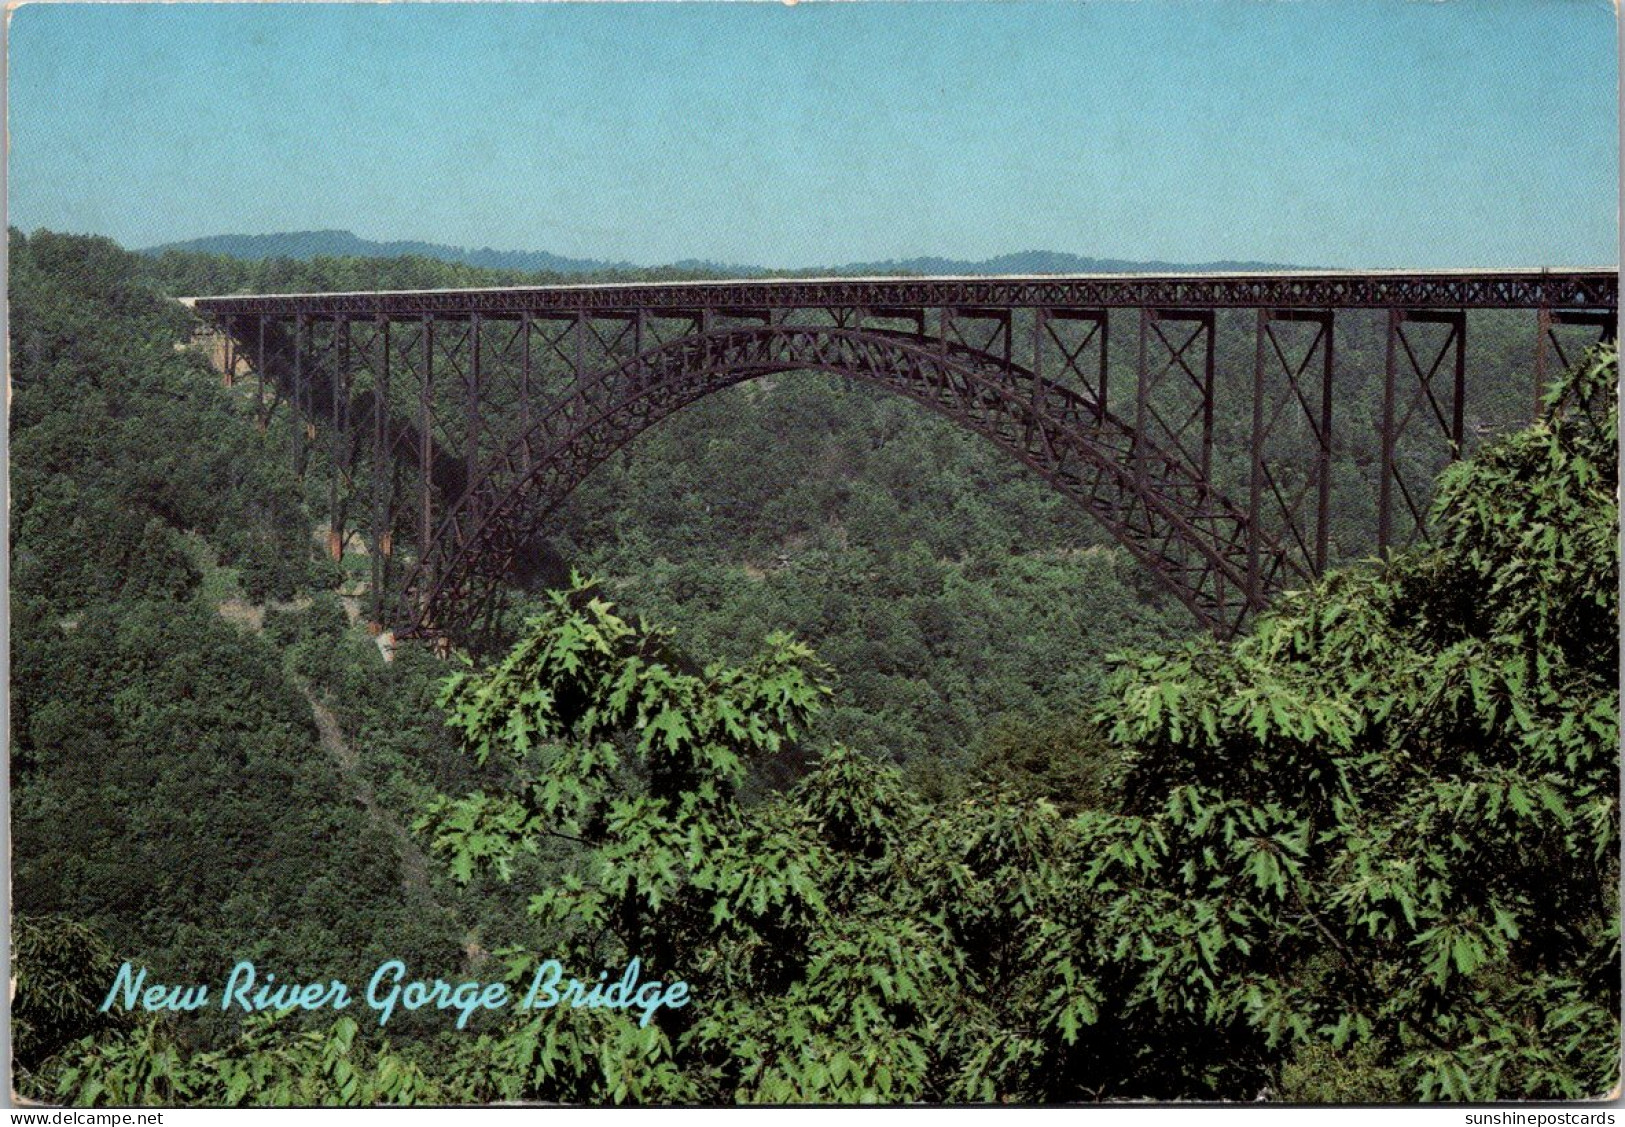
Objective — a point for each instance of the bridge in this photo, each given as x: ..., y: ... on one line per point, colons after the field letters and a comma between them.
x: 452, y: 423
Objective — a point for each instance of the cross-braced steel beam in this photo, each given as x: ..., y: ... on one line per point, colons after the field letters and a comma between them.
x: 480, y: 410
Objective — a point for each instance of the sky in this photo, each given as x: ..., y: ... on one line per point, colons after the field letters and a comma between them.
x: 1370, y: 134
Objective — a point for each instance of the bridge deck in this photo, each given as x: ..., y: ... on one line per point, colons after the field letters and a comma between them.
x: 1587, y: 288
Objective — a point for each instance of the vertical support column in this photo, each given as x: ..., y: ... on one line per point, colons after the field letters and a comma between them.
x: 1543, y: 329
x: 425, y: 441
x: 524, y: 382
x: 1210, y: 323
x: 1105, y: 341
x: 223, y: 326
x: 1142, y: 393
x: 339, y: 410
x: 1255, y: 492
x: 1385, y: 488
x: 299, y: 406
x: 1458, y: 420
x: 313, y: 367
x: 581, y: 340
x: 381, y: 472
x: 259, y: 377
x: 1323, y: 521
x: 1040, y: 319
x: 471, y: 440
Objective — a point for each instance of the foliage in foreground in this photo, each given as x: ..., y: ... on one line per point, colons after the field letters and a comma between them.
x: 1369, y: 852
x: 1382, y: 833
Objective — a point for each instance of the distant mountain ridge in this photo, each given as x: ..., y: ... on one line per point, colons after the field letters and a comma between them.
x: 1054, y: 262
x: 305, y: 245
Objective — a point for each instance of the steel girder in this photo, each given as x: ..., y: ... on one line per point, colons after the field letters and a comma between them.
x: 1460, y: 289
x: 460, y: 419
x: 1162, y: 511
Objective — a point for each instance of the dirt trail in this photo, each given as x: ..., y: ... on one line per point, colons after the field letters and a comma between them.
x: 414, y: 864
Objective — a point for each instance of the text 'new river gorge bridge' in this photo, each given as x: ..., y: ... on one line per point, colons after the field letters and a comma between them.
x: 1234, y: 432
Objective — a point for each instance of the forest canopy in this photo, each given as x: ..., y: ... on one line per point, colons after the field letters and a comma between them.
x: 910, y: 835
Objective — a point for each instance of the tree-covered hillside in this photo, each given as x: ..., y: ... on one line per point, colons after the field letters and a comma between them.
x: 304, y: 245
x: 179, y: 642
x: 874, y: 788
x: 169, y: 786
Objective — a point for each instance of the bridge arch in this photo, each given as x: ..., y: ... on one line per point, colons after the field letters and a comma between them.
x: 1202, y: 547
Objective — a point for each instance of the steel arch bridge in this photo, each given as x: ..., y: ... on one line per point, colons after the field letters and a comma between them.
x: 452, y: 423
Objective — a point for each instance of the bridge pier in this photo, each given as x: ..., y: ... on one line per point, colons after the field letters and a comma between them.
x: 1169, y: 416
x: 1451, y: 420
x: 383, y: 467
x: 261, y: 416
x: 1302, y: 392
x: 1049, y: 333
x: 339, y: 426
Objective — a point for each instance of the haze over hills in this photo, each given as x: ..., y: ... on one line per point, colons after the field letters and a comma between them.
x: 1051, y: 262
x: 305, y: 245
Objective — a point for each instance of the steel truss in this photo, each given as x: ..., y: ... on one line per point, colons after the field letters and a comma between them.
x: 457, y: 421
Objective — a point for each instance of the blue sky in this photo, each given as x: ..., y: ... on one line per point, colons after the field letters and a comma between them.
x: 1353, y: 134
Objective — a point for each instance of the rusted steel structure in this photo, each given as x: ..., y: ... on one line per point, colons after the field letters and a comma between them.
x: 455, y: 421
